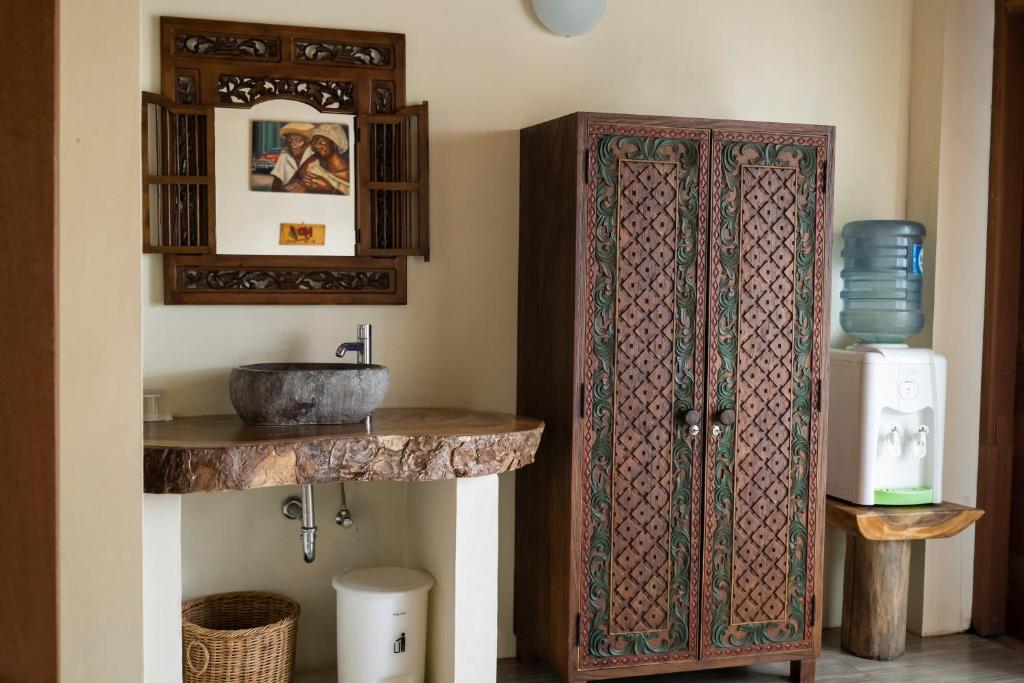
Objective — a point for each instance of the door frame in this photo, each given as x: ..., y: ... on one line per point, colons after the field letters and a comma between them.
x: 999, y: 348
x: 29, y: 37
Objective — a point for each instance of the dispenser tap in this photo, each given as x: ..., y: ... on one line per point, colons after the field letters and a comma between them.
x: 920, y: 442
x: 892, y: 441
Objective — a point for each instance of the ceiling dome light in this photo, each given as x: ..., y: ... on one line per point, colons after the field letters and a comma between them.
x: 569, y: 17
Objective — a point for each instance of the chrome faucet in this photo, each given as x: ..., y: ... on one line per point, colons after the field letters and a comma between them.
x: 363, y: 346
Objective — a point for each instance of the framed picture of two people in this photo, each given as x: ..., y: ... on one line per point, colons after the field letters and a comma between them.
x: 299, y: 157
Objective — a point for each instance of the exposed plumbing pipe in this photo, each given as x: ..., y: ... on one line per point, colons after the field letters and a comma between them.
x: 308, y: 531
x: 295, y: 507
x: 363, y: 346
x: 344, y: 517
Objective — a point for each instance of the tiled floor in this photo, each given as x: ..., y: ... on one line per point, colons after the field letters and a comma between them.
x: 942, y: 659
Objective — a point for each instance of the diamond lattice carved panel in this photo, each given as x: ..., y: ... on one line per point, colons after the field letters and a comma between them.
x: 764, y: 396
x: 768, y: 249
x: 642, y: 481
x: 644, y: 365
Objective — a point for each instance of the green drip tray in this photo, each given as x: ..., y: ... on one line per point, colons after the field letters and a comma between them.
x: 909, y: 495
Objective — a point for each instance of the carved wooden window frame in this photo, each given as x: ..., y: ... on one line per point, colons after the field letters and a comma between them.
x: 233, y: 64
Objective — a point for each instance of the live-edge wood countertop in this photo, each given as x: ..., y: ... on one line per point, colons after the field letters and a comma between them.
x: 221, y: 453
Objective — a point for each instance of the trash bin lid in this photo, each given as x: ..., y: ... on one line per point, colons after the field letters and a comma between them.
x: 383, y: 580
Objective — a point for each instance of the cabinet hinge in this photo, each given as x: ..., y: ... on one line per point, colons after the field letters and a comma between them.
x: 586, y: 166
x: 359, y: 236
x: 357, y: 135
x: 817, y: 395
x: 814, y: 609
x: 577, y: 629
x: 581, y: 400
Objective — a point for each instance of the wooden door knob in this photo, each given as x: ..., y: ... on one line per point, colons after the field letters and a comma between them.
x: 727, y: 416
x: 692, y: 417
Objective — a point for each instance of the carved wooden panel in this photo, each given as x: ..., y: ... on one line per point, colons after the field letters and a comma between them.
x: 764, y: 396
x: 239, y: 47
x: 764, y: 322
x: 215, y: 279
x: 235, y: 64
x: 645, y: 252
x: 347, y: 53
x: 330, y: 96
x: 186, y: 86
x: 644, y: 383
x: 383, y: 97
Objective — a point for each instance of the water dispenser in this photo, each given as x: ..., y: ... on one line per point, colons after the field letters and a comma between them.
x: 887, y: 400
x: 886, y: 425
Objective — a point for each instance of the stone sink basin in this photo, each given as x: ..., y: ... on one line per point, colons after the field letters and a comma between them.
x: 307, y: 393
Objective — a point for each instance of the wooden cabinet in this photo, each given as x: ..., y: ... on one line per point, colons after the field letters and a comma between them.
x: 673, y: 308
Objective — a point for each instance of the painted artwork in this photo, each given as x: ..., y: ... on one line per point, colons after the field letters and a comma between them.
x: 290, y: 156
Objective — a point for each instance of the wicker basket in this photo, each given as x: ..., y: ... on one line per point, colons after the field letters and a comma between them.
x: 245, y: 637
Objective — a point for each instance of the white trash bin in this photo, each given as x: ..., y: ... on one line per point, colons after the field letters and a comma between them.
x: 382, y: 624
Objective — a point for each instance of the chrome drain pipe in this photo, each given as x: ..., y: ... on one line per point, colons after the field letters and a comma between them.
x: 295, y: 507
x: 308, y: 524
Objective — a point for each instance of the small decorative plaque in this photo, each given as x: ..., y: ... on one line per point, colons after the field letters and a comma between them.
x: 305, y: 234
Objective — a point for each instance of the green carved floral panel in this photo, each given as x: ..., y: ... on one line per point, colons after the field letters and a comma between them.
x: 766, y: 236
x: 644, y: 367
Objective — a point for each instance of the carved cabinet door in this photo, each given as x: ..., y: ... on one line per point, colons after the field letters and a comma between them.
x: 645, y: 257
x: 767, y: 246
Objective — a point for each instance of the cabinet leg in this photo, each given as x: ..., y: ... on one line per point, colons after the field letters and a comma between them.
x: 802, y: 670
x: 875, y: 585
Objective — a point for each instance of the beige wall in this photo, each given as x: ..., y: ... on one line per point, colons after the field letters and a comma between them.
x: 100, y: 356
x: 961, y: 214
x: 488, y: 69
x: 947, y: 190
x: 241, y: 541
x: 927, y: 45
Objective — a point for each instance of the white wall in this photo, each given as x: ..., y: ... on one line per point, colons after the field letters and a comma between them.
x: 161, y: 588
x: 452, y: 532
x: 488, y: 69
x: 100, y: 360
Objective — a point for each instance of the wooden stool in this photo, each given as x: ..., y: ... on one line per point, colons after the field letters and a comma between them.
x: 877, y: 573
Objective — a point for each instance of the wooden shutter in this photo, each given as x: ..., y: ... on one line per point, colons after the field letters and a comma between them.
x: 392, y: 187
x: 177, y: 177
